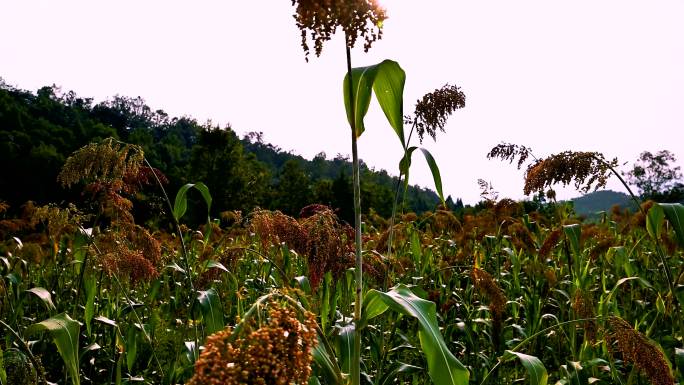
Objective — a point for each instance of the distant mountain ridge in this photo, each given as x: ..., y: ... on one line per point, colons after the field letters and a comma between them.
x: 597, y: 201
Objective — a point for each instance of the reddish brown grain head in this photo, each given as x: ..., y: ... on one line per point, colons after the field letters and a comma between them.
x: 274, y: 227
x: 509, y: 152
x: 583, y: 306
x: 433, y: 109
x: 586, y: 170
x: 329, y: 245
x: 486, y: 285
x: 549, y: 243
x: 319, y: 19
x: 639, y: 351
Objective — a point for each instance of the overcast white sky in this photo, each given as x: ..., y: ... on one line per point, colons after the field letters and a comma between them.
x: 594, y: 75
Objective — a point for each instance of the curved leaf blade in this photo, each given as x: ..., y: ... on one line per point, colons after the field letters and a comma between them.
x: 212, y: 311
x: 573, y: 233
x: 675, y: 215
x: 345, y: 346
x: 180, y: 204
x: 362, y: 86
x: 405, y: 162
x: 389, y: 90
x: 654, y: 221
x: 325, y: 365
x: 397, y: 369
x: 435, y: 173
x: 303, y: 282
x: 533, y: 365
x: 443, y: 367
x: 90, y: 284
x: 65, y: 334
x: 204, y: 190
x: 44, y: 296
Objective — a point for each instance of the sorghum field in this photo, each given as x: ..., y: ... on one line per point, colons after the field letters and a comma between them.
x: 498, y: 296
x: 132, y: 279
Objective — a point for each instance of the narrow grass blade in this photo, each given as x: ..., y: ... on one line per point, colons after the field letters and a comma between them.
x: 435, y: 173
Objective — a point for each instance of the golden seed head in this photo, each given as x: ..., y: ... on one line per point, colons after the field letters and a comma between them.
x: 278, y: 352
x: 106, y: 161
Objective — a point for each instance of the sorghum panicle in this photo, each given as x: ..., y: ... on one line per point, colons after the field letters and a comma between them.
x: 586, y: 169
x: 106, y: 161
x: 486, y: 285
x: 434, y: 108
x: 329, y: 245
x: 278, y: 352
x: 318, y: 20
x: 639, y: 351
x: 509, y: 151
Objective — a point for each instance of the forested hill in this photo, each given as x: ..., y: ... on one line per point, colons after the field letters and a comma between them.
x: 601, y: 201
x: 38, y: 131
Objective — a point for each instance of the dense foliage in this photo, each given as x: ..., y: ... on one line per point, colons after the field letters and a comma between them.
x: 118, y: 302
x: 39, y: 131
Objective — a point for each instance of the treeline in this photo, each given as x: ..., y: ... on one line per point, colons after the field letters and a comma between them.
x: 38, y: 131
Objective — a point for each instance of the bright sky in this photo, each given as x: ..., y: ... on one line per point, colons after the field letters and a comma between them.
x: 593, y: 75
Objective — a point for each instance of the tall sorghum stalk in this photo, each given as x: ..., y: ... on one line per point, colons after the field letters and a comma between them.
x: 356, y: 354
x: 430, y: 115
x: 318, y: 21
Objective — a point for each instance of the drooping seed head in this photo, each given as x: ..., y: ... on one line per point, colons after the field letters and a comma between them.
x: 106, y: 161
x: 509, y: 151
x: 586, y: 169
x: 433, y: 110
x: 319, y: 19
x: 639, y: 351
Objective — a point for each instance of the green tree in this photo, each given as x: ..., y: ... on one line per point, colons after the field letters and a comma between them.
x: 343, y: 197
x: 323, y: 192
x: 656, y: 176
x: 293, y: 190
x: 237, y: 181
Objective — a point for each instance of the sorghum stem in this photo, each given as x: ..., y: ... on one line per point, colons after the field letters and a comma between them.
x: 356, y: 354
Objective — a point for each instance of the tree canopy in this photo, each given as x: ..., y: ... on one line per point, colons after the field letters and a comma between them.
x: 39, y: 131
